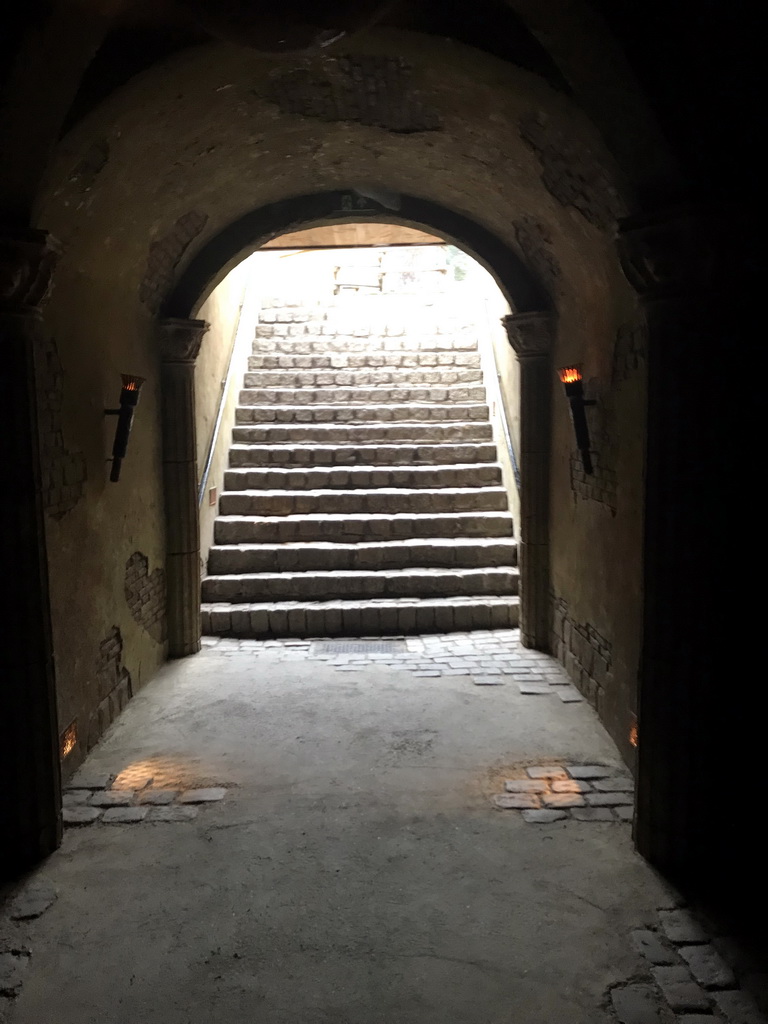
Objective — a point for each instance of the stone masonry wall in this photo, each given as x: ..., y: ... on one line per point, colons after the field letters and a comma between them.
x: 114, y: 686
x: 583, y: 651
x: 145, y: 594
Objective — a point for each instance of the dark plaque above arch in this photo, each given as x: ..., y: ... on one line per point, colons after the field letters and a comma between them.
x: 523, y: 289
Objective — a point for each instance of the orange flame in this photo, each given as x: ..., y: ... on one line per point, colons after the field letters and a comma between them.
x: 569, y: 374
x: 633, y: 732
x: 131, y: 382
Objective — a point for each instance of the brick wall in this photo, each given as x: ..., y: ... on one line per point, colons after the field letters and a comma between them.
x: 145, y: 594
x: 164, y: 255
x: 368, y: 89
x: 584, y: 652
x: 571, y: 173
x: 113, y: 681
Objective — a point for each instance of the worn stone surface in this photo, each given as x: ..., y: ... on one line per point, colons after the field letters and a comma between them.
x: 112, y: 798
x: 544, y: 817
x: 652, y: 947
x: 738, y: 1008
x: 707, y: 966
x: 203, y: 796
x: 636, y: 1004
x: 516, y: 801
x: 158, y: 796
x: 679, y: 988
x: 12, y: 970
x: 680, y: 926
x: 80, y: 815
x: 172, y: 814
x: 33, y: 901
x: 124, y: 815
x: 331, y: 777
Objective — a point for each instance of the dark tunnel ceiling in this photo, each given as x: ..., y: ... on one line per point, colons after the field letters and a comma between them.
x: 490, y: 26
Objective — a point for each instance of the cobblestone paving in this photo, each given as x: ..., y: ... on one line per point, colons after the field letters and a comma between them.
x: 97, y: 800
x: 555, y: 792
x: 694, y: 975
x: 486, y: 657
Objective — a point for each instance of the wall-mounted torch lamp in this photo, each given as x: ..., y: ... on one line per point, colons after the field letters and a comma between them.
x: 570, y: 377
x: 129, y: 399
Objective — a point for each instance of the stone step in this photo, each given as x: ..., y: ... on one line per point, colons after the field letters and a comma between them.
x: 398, y: 377
x: 361, y: 618
x: 363, y: 477
x: 446, y: 432
x: 270, y: 360
x: 305, y: 345
x: 245, y: 414
x: 359, y: 584
x: 363, y: 396
x: 266, y: 529
x: 387, y: 500
x: 445, y: 552
x: 247, y: 455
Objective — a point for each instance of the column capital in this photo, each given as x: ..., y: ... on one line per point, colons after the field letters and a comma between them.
x: 180, y: 339
x: 531, y: 335
x: 27, y: 261
x: 668, y: 253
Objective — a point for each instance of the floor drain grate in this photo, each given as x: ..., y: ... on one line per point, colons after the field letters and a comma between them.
x: 358, y: 646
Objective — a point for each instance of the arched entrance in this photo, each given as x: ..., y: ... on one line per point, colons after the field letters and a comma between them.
x: 530, y: 332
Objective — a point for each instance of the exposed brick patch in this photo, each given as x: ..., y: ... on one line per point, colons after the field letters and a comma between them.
x: 145, y: 594
x: 164, y: 256
x: 63, y: 471
x: 367, y: 89
x: 572, y: 174
x: 114, y: 686
x: 585, y: 653
x: 85, y: 173
x: 629, y: 353
x: 535, y: 244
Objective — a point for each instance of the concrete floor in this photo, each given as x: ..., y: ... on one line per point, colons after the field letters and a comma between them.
x: 356, y: 871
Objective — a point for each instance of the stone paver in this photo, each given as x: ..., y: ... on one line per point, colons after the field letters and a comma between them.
x: 636, y: 1004
x: 592, y: 814
x: 112, y: 798
x: 80, y: 815
x: 516, y: 801
x: 158, y: 796
x: 562, y: 800
x: 738, y: 1008
x: 681, y: 927
x: 679, y: 989
x: 653, y: 948
x: 203, y: 796
x: 525, y: 786
x: 544, y: 817
x: 172, y: 813
x: 707, y: 966
x: 124, y: 815
x: 546, y: 771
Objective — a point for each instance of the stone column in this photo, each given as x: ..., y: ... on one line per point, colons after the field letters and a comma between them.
x: 179, y: 345
x: 30, y: 794
x: 683, y: 715
x: 531, y: 336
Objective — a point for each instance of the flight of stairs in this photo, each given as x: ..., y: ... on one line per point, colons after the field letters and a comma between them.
x: 364, y: 496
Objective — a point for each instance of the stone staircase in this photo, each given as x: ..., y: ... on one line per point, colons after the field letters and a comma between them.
x: 364, y: 496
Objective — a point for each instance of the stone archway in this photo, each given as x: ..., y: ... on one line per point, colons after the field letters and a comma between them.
x: 530, y: 331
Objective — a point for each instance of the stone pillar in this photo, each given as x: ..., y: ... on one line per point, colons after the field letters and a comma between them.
x: 683, y: 713
x: 531, y: 336
x: 30, y: 795
x: 179, y: 345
